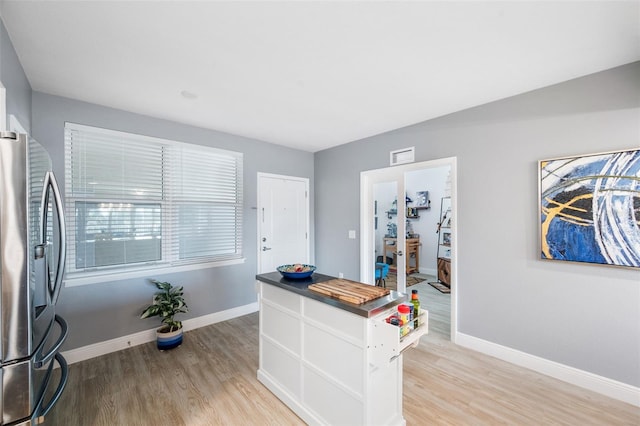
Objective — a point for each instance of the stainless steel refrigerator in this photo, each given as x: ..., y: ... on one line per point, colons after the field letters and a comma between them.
x: 32, y: 261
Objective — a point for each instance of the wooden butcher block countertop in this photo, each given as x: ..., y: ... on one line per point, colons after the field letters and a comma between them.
x: 349, y: 291
x: 377, y: 299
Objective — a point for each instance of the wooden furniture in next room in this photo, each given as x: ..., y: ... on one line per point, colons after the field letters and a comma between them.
x: 412, y: 251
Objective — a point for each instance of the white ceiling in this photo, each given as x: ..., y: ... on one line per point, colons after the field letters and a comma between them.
x: 312, y: 75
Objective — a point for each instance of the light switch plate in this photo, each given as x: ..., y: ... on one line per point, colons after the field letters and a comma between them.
x: 352, y: 234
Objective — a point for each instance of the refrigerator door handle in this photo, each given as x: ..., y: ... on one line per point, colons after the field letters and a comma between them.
x: 52, y: 352
x: 40, y: 412
x: 51, y: 182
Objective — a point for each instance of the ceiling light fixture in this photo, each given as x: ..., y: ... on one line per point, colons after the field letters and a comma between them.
x: 188, y: 95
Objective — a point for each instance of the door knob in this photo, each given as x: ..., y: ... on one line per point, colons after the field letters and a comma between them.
x: 266, y: 248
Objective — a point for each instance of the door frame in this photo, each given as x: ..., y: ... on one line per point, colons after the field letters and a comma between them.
x: 367, y: 247
x: 3, y: 107
x: 260, y: 177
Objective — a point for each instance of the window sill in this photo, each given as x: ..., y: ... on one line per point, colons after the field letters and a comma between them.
x: 101, y: 277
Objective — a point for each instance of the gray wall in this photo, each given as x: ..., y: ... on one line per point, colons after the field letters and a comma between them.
x: 18, y: 89
x: 584, y: 316
x: 98, y: 312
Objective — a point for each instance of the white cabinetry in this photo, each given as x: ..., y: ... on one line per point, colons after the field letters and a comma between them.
x: 331, y: 366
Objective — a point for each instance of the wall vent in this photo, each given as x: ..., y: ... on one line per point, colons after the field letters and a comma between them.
x: 402, y: 156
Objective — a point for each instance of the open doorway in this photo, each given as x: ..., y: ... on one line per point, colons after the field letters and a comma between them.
x: 401, y: 225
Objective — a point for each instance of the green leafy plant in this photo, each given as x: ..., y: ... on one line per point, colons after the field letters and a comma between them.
x: 166, y: 304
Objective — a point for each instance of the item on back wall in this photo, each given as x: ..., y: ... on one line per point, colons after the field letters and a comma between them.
x: 422, y: 199
x: 588, y: 208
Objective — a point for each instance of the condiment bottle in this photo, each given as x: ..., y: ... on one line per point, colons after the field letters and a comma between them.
x: 410, y: 316
x: 416, y: 308
x: 403, y: 313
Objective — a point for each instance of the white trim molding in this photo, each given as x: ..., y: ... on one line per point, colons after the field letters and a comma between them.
x: 605, y: 386
x: 102, y: 348
x: 3, y: 107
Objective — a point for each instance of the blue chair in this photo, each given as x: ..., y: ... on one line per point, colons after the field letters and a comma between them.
x: 382, y: 269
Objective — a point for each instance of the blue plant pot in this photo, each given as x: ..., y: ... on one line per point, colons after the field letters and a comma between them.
x: 168, y: 340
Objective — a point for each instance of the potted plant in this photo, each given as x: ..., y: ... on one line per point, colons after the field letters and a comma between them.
x: 166, y: 304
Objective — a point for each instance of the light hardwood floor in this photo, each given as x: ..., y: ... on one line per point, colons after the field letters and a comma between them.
x: 211, y: 380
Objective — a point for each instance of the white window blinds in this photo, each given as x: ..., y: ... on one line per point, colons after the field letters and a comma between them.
x: 134, y: 201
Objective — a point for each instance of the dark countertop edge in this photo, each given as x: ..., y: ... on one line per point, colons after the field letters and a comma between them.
x: 367, y: 310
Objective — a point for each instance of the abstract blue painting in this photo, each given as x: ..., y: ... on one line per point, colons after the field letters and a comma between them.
x: 590, y: 208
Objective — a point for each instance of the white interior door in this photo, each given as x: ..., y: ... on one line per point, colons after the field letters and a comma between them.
x: 383, y: 197
x: 283, y: 221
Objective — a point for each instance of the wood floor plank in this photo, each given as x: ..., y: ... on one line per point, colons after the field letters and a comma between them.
x: 211, y: 380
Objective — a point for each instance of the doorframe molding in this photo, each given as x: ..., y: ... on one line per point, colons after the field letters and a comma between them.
x: 366, y: 225
x: 304, y: 180
x: 3, y: 107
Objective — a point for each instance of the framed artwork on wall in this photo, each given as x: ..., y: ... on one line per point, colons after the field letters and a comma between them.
x: 590, y: 208
x: 422, y: 199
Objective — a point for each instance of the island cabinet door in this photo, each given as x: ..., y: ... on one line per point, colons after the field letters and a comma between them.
x: 334, y: 364
x: 281, y: 338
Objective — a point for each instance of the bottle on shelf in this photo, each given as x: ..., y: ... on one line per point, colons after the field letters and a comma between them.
x: 403, y: 313
x: 410, y: 315
x: 416, y: 308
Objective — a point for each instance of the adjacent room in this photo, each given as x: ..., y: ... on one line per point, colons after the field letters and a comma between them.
x: 188, y: 165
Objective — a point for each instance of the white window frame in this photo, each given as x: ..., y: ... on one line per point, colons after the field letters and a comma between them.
x: 105, y: 274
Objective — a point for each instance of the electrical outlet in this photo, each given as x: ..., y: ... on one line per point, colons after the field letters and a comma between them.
x: 352, y: 234
x: 340, y: 275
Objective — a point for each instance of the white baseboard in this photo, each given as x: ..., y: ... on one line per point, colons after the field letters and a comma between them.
x: 608, y: 387
x: 102, y: 348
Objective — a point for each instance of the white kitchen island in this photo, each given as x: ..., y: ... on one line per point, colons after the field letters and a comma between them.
x: 332, y: 362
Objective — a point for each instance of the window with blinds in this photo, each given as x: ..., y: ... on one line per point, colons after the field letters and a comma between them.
x: 135, y: 202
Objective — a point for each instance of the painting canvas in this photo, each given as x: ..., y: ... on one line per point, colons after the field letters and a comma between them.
x: 422, y: 199
x: 446, y: 238
x: 590, y: 208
